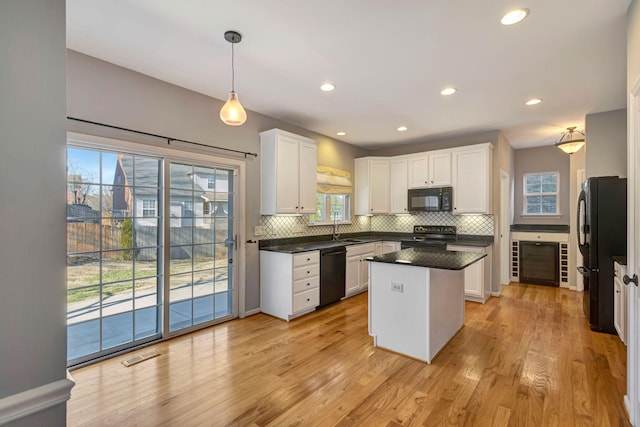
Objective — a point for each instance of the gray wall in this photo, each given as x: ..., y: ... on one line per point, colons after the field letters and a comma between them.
x: 503, y: 160
x: 633, y: 44
x: 437, y: 144
x: 103, y: 92
x: 32, y: 213
x: 606, y: 137
x: 541, y: 159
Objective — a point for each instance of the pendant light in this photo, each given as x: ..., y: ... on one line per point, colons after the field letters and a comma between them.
x: 571, y: 145
x: 232, y: 112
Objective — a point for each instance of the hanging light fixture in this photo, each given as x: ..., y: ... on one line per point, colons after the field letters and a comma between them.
x: 568, y: 144
x: 232, y: 112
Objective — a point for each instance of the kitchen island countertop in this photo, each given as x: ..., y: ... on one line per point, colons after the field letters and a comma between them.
x: 430, y: 258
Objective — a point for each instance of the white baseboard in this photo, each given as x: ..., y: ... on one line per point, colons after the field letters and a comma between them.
x: 495, y: 294
x: 252, y: 312
x: 29, y: 402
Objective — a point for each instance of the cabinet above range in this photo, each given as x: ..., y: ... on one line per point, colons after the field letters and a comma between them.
x: 382, y: 182
x: 288, y: 171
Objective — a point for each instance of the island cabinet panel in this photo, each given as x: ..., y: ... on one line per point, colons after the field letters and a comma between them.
x: 414, y: 310
x: 289, y: 283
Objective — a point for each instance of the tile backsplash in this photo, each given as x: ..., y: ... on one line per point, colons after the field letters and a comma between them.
x: 278, y: 226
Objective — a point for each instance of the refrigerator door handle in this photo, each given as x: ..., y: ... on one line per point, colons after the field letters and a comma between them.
x: 582, y: 228
x: 584, y: 271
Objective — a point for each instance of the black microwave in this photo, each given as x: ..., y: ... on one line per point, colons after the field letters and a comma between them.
x: 430, y: 199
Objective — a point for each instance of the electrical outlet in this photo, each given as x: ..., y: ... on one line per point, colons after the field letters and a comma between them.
x: 397, y: 287
x: 298, y: 228
x: 258, y: 230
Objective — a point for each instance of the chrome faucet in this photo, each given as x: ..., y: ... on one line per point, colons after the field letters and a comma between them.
x: 336, y: 231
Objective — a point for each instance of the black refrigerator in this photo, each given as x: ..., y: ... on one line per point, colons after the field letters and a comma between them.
x: 602, y: 233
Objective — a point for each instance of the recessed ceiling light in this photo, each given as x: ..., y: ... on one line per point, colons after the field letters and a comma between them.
x: 327, y: 87
x: 534, y: 101
x: 514, y: 16
x: 448, y: 91
x: 402, y: 128
x: 341, y: 133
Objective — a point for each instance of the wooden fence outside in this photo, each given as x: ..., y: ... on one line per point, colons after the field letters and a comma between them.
x: 85, y: 237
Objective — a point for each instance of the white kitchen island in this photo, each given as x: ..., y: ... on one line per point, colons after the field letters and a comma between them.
x: 416, y: 299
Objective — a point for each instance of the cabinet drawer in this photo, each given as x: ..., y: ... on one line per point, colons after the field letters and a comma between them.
x: 306, y: 299
x: 306, y: 284
x: 305, y: 272
x: 306, y: 258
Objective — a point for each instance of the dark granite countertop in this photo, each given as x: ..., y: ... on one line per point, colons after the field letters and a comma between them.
x: 620, y: 259
x: 540, y: 228
x: 430, y: 258
x: 314, y: 243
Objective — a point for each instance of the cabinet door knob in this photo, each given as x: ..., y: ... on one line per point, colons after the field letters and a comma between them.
x: 626, y: 279
x: 301, y: 207
x: 308, y: 272
x: 308, y: 284
x: 308, y: 259
x: 308, y: 299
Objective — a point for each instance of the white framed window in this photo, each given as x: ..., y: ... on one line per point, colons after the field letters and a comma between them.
x: 211, y: 182
x: 541, y: 192
x: 332, y: 208
x: 148, y: 207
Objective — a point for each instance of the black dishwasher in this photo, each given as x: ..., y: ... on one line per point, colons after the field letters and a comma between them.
x: 332, y: 274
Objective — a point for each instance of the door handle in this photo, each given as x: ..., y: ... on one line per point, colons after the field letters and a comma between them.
x: 626, y: 279
x: 584, y: 271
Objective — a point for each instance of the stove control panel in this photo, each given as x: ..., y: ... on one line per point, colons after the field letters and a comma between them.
x: 434, y: 229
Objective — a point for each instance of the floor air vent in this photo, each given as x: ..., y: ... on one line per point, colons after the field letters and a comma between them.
x: 140, y: 358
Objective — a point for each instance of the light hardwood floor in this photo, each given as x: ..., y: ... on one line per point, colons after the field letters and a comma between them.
x: 526, y: 358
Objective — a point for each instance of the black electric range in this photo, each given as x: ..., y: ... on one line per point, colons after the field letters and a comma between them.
x: 431, y: 236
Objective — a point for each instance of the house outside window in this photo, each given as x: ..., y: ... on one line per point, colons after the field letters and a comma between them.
x: 148, y: 207
x: 541, y: 193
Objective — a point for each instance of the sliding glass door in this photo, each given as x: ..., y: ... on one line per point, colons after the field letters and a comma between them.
x: 201, y: 245
x: 150, y: 249
x: 114, y: 208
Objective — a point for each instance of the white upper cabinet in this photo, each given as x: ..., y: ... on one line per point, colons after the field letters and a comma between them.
x: 288, y: 172
x: 472, y: 179
x: 440, y: 168
x: 430, y: 169
x: 418, y: 170
x: 398, y: 185
x: 372, y: 186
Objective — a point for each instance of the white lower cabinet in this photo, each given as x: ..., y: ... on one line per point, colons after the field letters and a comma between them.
x: 477, y: 277
x: 289, y: 283
x: 620, y: 301
x: 387, y: 247
x: 357, y: 271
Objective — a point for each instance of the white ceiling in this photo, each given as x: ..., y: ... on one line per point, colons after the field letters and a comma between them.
x: 388, y: 59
